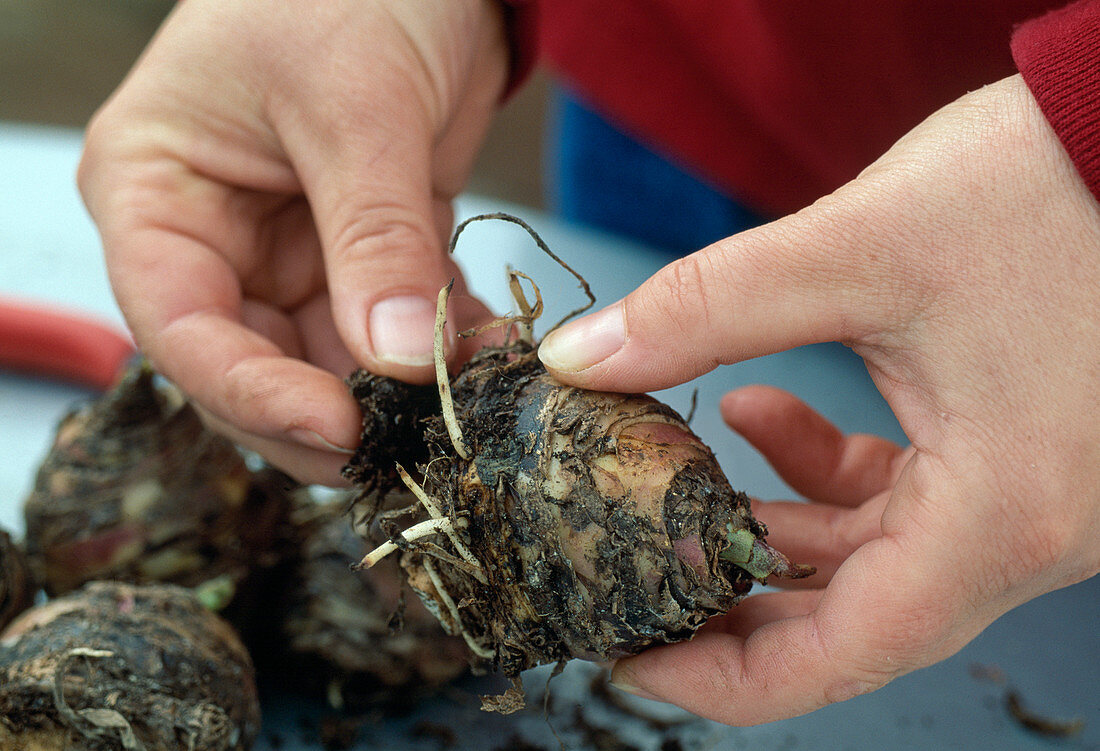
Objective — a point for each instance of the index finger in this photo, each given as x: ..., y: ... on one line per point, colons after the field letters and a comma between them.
x: 819, y: 275
x: 183, y: 300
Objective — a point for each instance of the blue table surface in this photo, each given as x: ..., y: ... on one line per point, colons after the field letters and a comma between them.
x: 1048, y: 649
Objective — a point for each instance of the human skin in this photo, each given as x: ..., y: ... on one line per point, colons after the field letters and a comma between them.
x: 272, y: 184
x: 963, y: 266
x: 271, y: 170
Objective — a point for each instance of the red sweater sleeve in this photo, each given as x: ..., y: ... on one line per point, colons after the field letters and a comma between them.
x: 1059, y: 57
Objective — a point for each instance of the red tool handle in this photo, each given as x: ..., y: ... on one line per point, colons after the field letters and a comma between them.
x: 48, y: 342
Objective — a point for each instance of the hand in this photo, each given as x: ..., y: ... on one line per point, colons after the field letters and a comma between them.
x: 964, y: 267
x: 272, y: 184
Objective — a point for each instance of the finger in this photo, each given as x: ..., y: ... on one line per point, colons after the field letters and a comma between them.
x: 761, y: 609
x: 305, y: 464
x: 369, y: 178
x: 807, y: 451
x: 183, y: 302
x: 810, y: 277
x: 321, y: 345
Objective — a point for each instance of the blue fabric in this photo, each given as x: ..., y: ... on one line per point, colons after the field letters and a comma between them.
x: 599, y: 176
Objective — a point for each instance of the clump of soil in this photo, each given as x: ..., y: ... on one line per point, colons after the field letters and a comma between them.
x: 554, y: 522
x: 120, y: 667
x: 16, y: 590
x: 136, y: 489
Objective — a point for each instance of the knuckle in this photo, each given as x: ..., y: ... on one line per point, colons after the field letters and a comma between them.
x: 843, y: 532
x: 384, y: 237
x: 905, y: 637
x: 248, y: 399
x: 679, y: 295
x: 92, y: 157
x: 908, y: 640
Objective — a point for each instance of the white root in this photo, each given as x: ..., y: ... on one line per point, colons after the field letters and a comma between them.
x: 448, y: 529
x: 443, y: 379
x: 436, y: 522
x: 415, y: 532
x: 448, y: 601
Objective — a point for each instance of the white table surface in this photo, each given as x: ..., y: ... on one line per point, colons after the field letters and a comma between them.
x: 1049, y: 649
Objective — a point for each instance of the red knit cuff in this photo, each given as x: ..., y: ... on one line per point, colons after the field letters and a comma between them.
x: 1059, y: 57
x: 522, y: 29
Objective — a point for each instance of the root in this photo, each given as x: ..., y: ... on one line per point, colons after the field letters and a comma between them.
x: 542, y: 246
x: 443, y: 379
x: 435, y: 513
x: 102, y: 720
x: 528, y: 313
x: 436, y: 523
x: 694, y: 404
x: 415, y: 532
x: 448, y: 601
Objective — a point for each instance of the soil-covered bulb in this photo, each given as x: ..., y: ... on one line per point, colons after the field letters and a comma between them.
x: 599, y: 524
x: 115, y: 666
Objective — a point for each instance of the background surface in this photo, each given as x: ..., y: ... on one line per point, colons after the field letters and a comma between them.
x: 60, y: 59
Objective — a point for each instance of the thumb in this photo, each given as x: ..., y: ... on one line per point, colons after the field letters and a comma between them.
x: 811, y: 277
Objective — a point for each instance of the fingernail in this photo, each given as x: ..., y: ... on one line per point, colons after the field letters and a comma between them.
x: 402, y: 330
x: 581, y: 344
x: 313, y: 439
x: 623, y: 682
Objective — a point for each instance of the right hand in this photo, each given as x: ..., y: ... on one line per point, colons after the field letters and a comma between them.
x: 272, y: 184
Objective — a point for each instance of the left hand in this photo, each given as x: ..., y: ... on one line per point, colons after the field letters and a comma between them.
x: 964, y: 267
